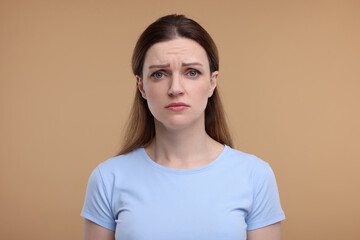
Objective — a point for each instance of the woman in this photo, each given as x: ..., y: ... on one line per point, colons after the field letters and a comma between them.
x: 177, y: 176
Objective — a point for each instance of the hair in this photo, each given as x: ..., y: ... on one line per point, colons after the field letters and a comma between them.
x: 140, y: 126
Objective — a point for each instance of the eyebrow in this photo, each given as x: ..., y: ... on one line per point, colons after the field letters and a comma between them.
x: 168, y: 65
x: 159, y: 66
x: 191, y: 64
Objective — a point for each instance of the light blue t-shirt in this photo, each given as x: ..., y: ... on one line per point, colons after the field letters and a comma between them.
x: 142, y: 200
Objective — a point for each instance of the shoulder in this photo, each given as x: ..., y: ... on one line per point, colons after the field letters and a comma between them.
x: 124, y: 160
x: 246, y: 160
x: 121, y: 166
x: 246, y: 167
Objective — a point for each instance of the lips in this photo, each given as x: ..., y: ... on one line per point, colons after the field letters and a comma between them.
x: 177, y: 106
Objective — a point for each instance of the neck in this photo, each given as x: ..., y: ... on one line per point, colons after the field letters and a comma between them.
x: 186, y: 148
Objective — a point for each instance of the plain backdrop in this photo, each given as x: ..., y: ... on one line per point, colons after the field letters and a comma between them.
x: 289, y: 78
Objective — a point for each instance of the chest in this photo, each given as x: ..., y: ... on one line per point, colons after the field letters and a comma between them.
x: 182, y: 207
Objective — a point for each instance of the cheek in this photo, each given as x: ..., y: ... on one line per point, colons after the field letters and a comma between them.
x: 201, y: 95
x: 154, y: 98
x: 201, y: 90
x: 154, y: 92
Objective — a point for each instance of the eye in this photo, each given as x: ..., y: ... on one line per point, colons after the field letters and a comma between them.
x: 193, y: 73
x: 158, y: 75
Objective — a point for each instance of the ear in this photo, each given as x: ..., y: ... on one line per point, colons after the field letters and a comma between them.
x: 213, y: 79
x: 140, y: 86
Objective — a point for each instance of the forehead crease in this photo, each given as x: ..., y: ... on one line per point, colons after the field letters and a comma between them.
x: 175, y: 54
x: 169, y: 59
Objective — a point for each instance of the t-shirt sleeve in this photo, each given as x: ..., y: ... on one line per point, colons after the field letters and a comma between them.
x: 266, y: 208
x: 97, y: 206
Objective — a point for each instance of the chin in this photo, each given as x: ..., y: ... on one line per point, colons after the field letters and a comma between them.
x: 178, y: 124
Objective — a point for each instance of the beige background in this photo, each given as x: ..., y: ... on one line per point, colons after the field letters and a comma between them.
x: 289, y: 76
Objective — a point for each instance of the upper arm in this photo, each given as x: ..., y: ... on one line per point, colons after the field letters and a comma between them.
x: 97, y: 206
x: 92, y: 231
x: 271, y: 232
x: 265, y: 208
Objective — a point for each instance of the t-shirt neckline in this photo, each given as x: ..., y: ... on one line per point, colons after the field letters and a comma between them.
x: 184, y: 171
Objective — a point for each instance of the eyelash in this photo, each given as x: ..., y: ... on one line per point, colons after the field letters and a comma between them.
x: 153, y: 75
x: 157, y: 72
x: 195, y: 71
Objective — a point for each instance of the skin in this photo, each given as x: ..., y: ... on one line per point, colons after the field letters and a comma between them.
x: 92, y: 231
x: 178, y: 71
x: 271, y: 232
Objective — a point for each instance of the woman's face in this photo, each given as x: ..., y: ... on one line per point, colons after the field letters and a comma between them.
x: 177, y: 83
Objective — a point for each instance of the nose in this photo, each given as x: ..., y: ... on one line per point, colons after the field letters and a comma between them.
x: 176, y: 87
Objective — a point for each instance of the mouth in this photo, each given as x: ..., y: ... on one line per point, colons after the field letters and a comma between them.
x: 177, y: 106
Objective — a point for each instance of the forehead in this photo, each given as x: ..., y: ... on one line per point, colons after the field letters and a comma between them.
x: 181, y: 50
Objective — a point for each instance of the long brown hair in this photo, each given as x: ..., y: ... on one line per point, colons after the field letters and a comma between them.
x: 140, y: 126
